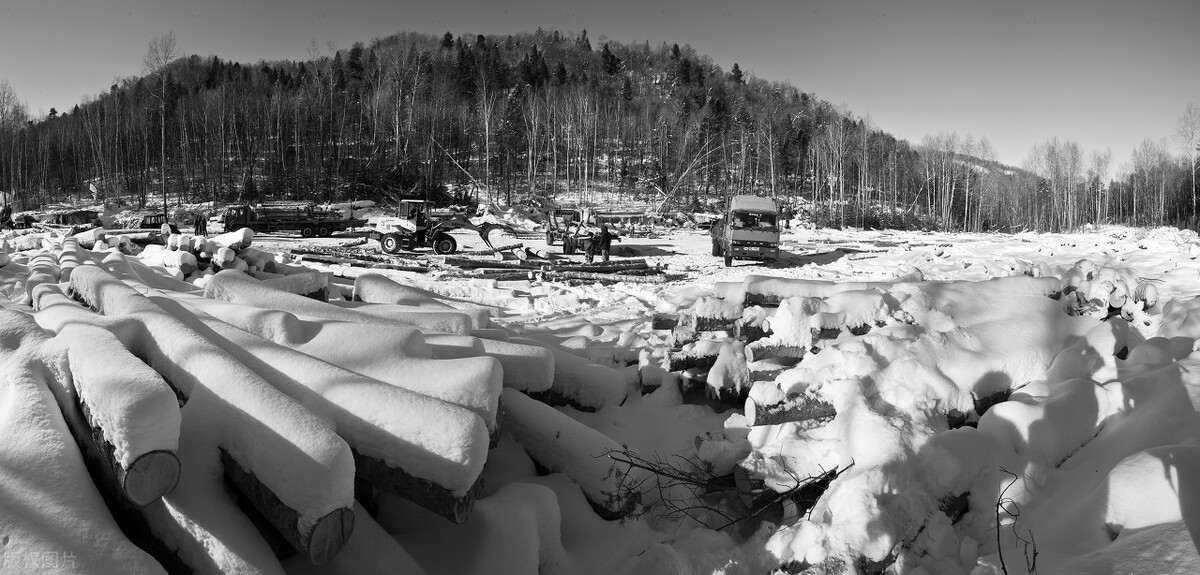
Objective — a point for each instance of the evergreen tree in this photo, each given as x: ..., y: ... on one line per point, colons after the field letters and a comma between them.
x: 627, y: 90
x: 736, y: 74
x: 583, y: 43
x: 447, y: 40
x: 611, y: 63
x: 560, y: 75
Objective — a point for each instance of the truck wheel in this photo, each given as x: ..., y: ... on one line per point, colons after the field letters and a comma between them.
x: 568, y: 246
x: 307, y: 231
x: 728, y: 260
x: 390, y: 243
x: 324, y: 231
x: 716, y: 247
x: 444, y: 244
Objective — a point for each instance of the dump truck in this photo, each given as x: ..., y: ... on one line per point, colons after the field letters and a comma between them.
x: 304, y: 217
x: 749, y: 230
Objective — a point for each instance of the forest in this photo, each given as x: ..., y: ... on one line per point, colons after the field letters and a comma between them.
x: 548, y: 118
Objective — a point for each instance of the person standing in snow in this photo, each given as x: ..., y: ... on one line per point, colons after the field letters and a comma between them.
x: 201, y: 225
x: 606, y: 238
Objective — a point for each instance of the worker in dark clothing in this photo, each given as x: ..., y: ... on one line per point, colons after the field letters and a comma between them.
x: 6, y: 216
x: 201, y: 225
x: 606, y: 238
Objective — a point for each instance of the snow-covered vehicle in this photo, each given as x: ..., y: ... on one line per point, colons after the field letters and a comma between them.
x: 749, y: 230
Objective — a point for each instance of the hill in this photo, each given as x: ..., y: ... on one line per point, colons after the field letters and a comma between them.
x: 537, y: 118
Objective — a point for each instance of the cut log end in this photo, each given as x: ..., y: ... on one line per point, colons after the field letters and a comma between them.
x: 151, y: 476
x: 329, y: 535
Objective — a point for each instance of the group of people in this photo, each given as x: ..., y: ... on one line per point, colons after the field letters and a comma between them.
x: 600, y: 244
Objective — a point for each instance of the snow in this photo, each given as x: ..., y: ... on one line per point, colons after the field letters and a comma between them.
x: 426, y: 437
x: 1054, y: 371
x: 269, y: 434
x: 52, y: 519
x: 562, y: 444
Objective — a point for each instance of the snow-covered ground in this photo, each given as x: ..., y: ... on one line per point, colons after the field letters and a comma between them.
x: 988, y: 403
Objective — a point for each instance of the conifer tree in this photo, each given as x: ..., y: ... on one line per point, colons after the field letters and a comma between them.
x: 610, y: 61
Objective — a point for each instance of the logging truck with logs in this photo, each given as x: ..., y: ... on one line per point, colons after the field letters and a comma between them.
x: 304, y: 217
x: 749, y: 230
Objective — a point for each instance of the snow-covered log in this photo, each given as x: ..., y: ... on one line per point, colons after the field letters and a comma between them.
x: 126, y: 414
x: 527, y: 367
x: 768, y: 349
x: 561, y: 444
x: 51, y: 516
x: 312, y: 284
x: 374, y: 288
x: 435, y: 450
x: 235, y: 240
x: 43, y: 269
x: 69, y: 258
x: 681, y: 360
x: 88, y: 239
x: 791, y: 408
x: 318, y: 542
x: 290, y: 456
x: 664, y: 321
x: 393, y: 354
x: 579, y: 382
x: 428, y: 319
x: 243, y: 289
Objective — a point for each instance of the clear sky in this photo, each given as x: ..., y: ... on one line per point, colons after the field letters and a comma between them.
x: 1105, y: 73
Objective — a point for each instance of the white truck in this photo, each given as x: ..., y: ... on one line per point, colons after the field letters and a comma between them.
x: 749, y: 230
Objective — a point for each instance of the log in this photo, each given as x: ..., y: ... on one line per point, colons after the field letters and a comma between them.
x: 558, y: 443
x: 493, y: 250
x: 630, y: 262
x: 607, y: 267
x: 425, y: 493
x: 405, y: 432
x: 468, y: 263
x: 607, y: 277
x: 798, y: 408
x: 358, y: 263
x: 663, y: 321
x: 763, y: 300
x: 147, y: 467
x: 749, y: 333
x: 679, y: 361
x: 264, y: 423
x: 757, y: 352
x: 319, y: 543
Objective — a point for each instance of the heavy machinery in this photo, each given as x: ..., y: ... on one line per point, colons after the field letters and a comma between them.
x: 413, y: 227
x: 749, y: 230
x: 562, y: 223
x: 303, y: 217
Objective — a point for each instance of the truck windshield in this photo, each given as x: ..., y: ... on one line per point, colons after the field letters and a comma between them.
x: 754, y: 220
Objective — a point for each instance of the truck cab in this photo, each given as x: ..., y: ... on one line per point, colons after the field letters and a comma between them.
x: 238, y: 216
x: 749, y: 230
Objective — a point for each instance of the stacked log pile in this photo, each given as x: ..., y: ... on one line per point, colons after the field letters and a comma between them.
x: 255, y: 407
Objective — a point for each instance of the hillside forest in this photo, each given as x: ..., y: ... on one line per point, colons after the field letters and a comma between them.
x: 543, y: 118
